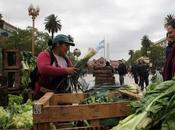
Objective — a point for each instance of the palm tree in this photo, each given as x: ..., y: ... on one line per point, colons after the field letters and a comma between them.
x: 52, y: 24
x: 131, y: 53
x: 168, y: 19
x: 146, y: 43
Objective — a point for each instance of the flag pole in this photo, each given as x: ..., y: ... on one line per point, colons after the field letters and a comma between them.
x: 104, y: 48
x: 107, y: 51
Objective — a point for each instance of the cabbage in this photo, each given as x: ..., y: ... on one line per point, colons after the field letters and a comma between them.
x: 4, y: 117
x: 16, y: 115
x: 23, y: 120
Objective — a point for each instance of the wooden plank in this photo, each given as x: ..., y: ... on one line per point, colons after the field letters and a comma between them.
x: 95, y: 122
x: 85, y: 128
x: 13, y: 79
x: 15, y: 61
x: 42, y: 126
x: 82, y: 112
x: 17, y: 129
x: 67, y: 98
x: 102, y: 71
x: 44, y: 100
x: 104, y: 75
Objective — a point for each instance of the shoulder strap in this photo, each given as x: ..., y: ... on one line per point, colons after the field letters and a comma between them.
x: 67, y: 61
x: 52, y: 58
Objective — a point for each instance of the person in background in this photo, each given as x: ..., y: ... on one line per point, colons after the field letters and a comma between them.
x: 50, y: 74
x: 110, y: 66
x: 169, y: 66
x: 134, y: 72
x: 169, y: 47
x: 143, y: 71
x: 122, y: 70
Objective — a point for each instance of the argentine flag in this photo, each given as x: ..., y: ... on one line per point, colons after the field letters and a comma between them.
x: 101, y: 45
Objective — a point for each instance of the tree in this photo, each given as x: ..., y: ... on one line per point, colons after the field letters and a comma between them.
x: 52, y: 24
x: 146, y: 43
x: 131, y: 53
x: 168, y: 19
x: 157, y: 56
x: 137, y: 54
x: 41, y: 41
x: 22, y: 39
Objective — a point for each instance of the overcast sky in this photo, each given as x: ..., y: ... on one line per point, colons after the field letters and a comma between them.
x: 122, y: 23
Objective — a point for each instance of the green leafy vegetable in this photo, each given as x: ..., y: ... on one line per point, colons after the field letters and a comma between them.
x: 156, y: 108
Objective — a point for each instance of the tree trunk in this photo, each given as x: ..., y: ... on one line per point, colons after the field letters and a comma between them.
x: 52, y: 34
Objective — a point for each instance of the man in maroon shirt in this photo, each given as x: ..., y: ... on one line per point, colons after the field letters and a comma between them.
x: 50, y: 74
x: 169, y: 67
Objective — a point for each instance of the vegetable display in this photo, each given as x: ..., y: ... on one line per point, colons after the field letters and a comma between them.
x: 72, y: 81
x: 103, y: 95
x: 153, y: 112
x: 16, y: 115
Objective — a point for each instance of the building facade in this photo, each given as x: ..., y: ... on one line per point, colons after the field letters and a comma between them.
x: 162, y: 42
x: 6, y: 29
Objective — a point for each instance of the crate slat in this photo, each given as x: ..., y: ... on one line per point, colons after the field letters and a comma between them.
x: 81, y: 112
x: 65, y: 107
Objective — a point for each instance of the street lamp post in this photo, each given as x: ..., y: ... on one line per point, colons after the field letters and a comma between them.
x: 34, y: 12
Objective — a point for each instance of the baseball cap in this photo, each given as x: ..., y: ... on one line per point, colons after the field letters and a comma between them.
x: 62, y: 38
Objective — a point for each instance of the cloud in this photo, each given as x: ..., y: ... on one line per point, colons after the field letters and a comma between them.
x: 121, y: 22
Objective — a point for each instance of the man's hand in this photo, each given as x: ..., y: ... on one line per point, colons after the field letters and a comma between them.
x: 71, y: 70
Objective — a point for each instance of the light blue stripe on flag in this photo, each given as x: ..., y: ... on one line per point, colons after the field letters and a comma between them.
x: 101, y: 45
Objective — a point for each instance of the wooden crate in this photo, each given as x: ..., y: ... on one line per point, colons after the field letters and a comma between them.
x: 16, y: 129
x: 51, y: 108
x: 11, y: 59
x: 13, y: 79
x: 3, y: 96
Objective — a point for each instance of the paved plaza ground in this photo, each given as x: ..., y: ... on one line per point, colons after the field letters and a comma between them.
x: 90, y: 79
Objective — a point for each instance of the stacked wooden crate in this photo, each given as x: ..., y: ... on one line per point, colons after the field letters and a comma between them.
x: 104, y: 75
x: 11, y: 68
x: 59, y: 108
x: 3, y: 91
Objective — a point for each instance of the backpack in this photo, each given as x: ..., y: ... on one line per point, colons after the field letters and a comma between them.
x: 34, y: 75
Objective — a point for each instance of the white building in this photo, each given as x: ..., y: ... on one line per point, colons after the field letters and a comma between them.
x: 162, y: 42
x: 6, y: 29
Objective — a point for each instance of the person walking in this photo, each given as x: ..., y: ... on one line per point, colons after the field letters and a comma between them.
x: 143, y: 71
x: 122, y: 70
x: 134, y: 72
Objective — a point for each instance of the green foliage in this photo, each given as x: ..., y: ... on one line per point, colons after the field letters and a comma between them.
x: 157, y: 55
x: 41, y: 41
x: 4, y: 117
x: 22, y: 40
x: 146, y: 43
x: 52, y: 24
x: 156, y: 108
x: 168, y: 19
x: 137, y: 54
x: 16, y: 115
x: 131, y: 53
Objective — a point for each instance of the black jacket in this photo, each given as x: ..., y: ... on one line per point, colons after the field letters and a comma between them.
x: 143, y: 70
x: 122, y: 69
